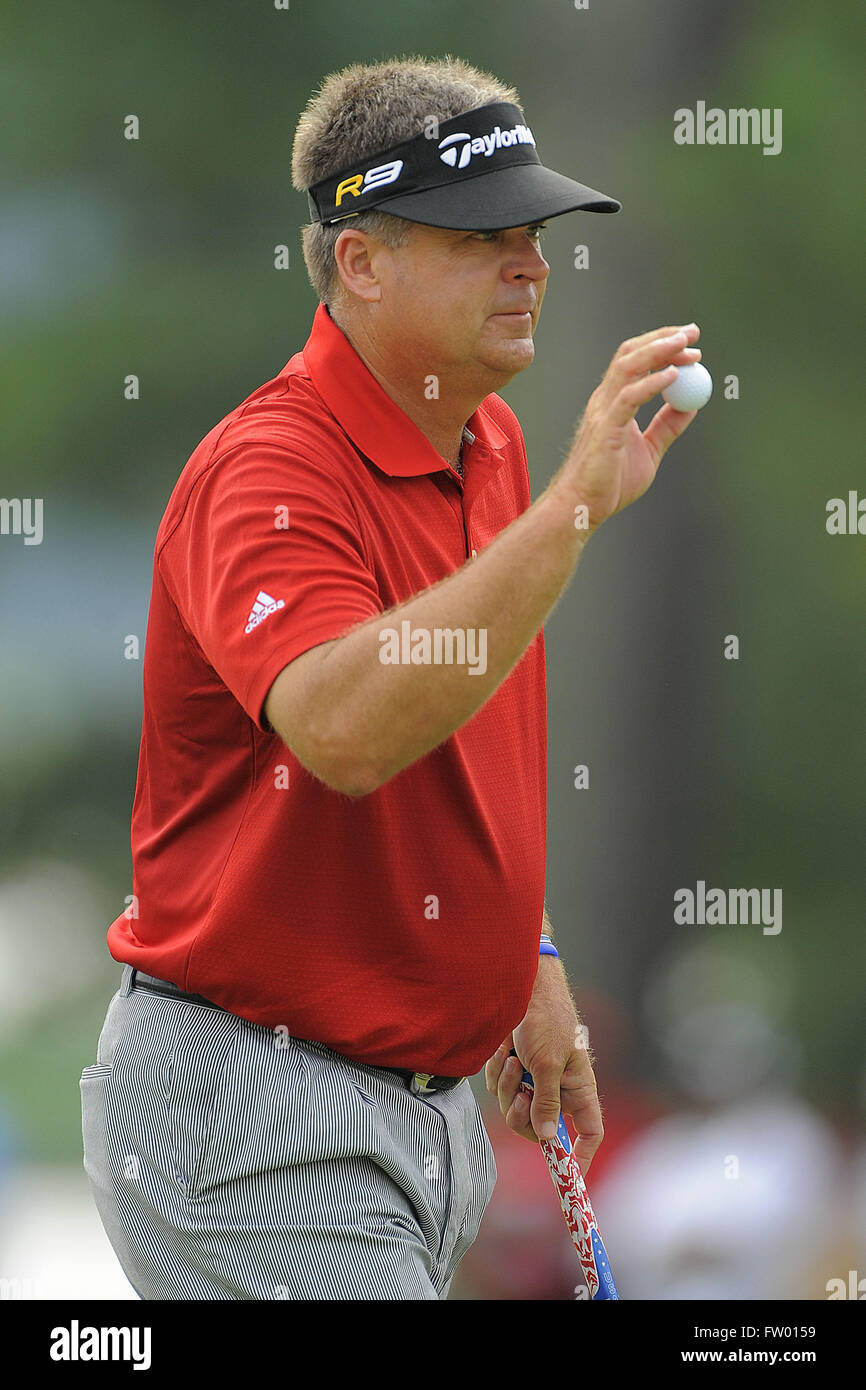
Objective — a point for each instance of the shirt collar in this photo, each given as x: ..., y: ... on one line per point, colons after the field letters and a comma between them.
x: 373, y: 421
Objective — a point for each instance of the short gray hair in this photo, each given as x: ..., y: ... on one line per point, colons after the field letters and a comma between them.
x: 366, y: 108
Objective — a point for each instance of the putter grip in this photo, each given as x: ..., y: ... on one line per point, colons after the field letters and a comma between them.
x: 576, y: 1208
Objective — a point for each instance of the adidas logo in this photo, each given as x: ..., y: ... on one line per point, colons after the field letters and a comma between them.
x: 481, y: 144
x: 263, y: 607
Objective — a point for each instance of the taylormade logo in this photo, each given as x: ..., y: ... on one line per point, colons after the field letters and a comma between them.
x: 458, y: 155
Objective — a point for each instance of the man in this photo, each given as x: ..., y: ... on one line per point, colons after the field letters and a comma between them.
x: 339, y: 825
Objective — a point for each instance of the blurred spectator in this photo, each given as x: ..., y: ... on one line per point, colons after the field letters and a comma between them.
x: 738, y: 1195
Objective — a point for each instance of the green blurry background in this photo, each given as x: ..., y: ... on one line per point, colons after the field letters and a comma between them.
x: 156, y: 257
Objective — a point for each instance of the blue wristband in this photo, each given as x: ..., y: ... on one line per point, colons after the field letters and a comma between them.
x: 547, y: 948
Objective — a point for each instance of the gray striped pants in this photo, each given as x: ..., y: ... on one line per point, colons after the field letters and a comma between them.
x: 228, y: 1161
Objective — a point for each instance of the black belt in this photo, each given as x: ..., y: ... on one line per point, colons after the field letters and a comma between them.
x: 421, y: 1083
x: 138, y: 980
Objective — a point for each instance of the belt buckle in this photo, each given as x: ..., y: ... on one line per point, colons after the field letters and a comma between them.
x: 418, y: 1085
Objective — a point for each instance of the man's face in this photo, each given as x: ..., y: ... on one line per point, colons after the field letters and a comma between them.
x: 464, y: 302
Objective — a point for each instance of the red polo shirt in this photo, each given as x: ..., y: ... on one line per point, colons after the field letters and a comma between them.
x: 399, y: 928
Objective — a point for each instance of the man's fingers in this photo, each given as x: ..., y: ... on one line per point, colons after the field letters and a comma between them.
x: 630, y: 345
x: 650, y: 357
x: 628, y: 402
x: 545, y: 1113
x: 666, y: 425
x: 514, y: 1102
x: 631, y: 368
x: 518, y: 1116
x: 687, y: 356
x: 493, y: 1067
x: 655, y: 354
x: 546, y: 1100
x: 634, y: 378
x: 588, y: 1127
x: 586, y: 1146
x: 509, y: 1083
x: 663, y: 355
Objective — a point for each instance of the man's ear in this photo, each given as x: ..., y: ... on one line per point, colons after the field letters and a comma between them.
x: 355, y: 254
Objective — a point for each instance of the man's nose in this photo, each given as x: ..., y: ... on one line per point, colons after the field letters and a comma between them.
x: 530, y: 264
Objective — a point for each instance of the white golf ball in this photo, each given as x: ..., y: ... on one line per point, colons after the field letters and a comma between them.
x: 691, y: 388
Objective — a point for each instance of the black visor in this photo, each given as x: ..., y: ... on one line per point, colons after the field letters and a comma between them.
x: 477, y: 171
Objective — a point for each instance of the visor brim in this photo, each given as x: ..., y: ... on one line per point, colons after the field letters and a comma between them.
x: 512, y: 197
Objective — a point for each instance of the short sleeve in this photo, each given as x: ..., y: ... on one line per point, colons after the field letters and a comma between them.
x: 267, y: 560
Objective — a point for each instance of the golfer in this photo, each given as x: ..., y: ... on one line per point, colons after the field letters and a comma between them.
x: 339, y: 824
